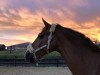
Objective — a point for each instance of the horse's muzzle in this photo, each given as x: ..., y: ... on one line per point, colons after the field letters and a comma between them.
x: 29, y: 57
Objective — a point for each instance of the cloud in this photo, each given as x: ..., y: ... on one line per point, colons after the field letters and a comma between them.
x: 92, y: 33
x: 10, y: 41
x: 21, y: 19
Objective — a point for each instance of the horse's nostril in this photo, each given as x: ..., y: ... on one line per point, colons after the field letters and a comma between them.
x: 29, y: 57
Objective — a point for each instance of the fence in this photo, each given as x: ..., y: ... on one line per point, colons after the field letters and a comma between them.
x: 42, y: 63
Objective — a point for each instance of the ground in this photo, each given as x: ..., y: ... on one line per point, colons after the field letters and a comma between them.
x: 34, y: 71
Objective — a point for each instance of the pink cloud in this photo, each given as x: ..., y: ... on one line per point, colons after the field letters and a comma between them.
x: 21, y: 19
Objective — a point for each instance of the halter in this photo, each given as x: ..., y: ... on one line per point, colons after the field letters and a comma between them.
x: 32, y: 50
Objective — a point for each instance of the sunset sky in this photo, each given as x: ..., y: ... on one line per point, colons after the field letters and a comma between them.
x: 20, y: 20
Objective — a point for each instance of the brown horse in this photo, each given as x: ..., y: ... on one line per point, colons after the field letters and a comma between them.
x: 81, y: 55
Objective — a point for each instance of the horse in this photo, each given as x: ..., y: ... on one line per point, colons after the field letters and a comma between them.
x: 81, y: 55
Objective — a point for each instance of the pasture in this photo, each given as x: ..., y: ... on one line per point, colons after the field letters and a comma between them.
x: 20, y: 53
x: 34, y: 71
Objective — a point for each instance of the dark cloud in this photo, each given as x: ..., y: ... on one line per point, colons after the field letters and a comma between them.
x: 83, y: 11
x: 17, y: 4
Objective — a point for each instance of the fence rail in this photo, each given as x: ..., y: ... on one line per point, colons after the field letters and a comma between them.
x: 22, y: 62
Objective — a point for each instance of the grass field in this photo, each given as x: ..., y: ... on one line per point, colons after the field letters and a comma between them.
x: 16, y: 54
x: 34, y: 71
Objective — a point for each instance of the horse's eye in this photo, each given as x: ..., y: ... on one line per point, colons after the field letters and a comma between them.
x: 41, y: 35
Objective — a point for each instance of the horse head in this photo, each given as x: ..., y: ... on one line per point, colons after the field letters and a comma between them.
x: 44, y: 43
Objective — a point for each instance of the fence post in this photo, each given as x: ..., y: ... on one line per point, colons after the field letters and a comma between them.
x: 57, y: 62
x: 14, y: 60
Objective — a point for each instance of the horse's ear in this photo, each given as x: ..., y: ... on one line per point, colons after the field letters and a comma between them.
x: 45, y: 23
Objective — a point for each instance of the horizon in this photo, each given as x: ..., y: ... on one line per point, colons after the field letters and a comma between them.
x: 20, y: 20
x: 31, y: 42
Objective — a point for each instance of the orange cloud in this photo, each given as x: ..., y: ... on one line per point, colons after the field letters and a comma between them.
x: 93, y: 33
x: 20, y: 20
x: 8, y: 42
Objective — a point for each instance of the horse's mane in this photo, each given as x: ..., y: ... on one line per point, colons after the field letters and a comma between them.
x: 73, y: 35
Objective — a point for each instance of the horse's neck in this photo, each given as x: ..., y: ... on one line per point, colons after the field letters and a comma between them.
x: 77, y: 58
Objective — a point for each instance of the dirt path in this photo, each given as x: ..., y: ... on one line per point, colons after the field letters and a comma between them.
x: 34, y: 71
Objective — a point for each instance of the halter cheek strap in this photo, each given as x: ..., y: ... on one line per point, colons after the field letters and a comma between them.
x: 52, y: 30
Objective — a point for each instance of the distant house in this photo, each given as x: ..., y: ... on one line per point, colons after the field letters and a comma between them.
x: 98, y: 43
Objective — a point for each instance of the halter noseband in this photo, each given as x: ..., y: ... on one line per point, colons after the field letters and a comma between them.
x: 32, y: 50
